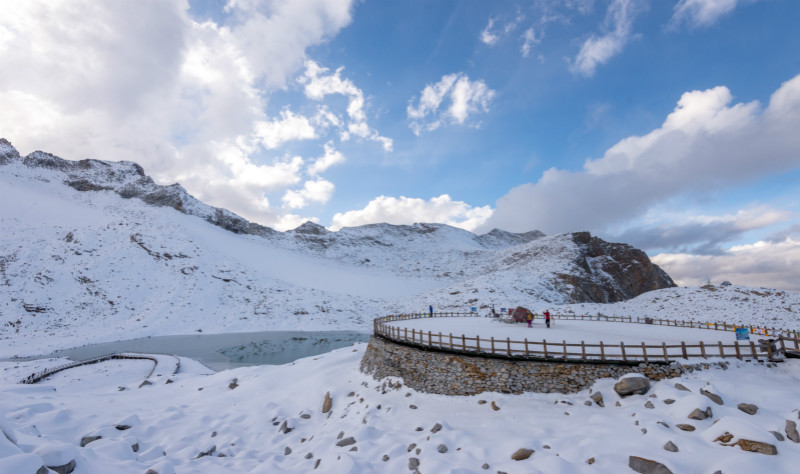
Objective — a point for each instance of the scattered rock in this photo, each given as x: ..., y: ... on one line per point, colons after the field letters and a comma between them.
x: 287, y: 451
x: 122, y: 427
x: 709, y: 414
x: 309, y: 455
x: 354, y: 448
x: 712, y: 396
x: 725, y: 438
x: 284, y: 428
x: 777, y: 435
x: 346, y: 442
x: 413, y: 464
x: 669, y: 401
x: 681, y: 387
x: 590, y: 461
x: 419, y: 428
x: 411, y: 446
x: 662, y: 423
x: 233, y: 384
x: 618, y: 404
x: 597, y: 397
x: 385, y: 457
x: 436, y: 428
x: 316, y: 464
x: 644, y: 430
x: 327, y: 403
x: 207, y: 452
x: 481, y: 402
x: 647, y: 466
x: 63, y: 469
x: 522, y: 454
x: 213, y: 434
x: 494, y: 406
x: 791, y: 431
x: 756, y: 447
x: 588, y: 403
x: 698, y: 414
x: 485, y: 466
x: 147, y: 382
x: 635, y: 385
x: 305, y: 416
x: 670, y: 446
x: 413, y: 407
x: 442, y: 448
x: 88, y: 439
x: 135, y: 447
x: 748, y: 408
x: 340, y: 435
x: 649, y: 404
x: 686, y: 427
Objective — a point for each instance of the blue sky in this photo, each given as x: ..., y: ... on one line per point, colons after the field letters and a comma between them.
x: 669, y: 125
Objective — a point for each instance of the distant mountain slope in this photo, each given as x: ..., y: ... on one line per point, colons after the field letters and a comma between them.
x: 98, y: 244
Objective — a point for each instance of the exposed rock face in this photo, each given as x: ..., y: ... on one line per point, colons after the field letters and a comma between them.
x: 611, y: 272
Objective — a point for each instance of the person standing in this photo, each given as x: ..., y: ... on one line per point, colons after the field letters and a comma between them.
x: 430, y: 308
x: 547, y: 318
x: 530, y: 319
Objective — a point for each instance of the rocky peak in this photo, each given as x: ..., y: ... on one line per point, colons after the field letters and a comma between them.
x: 8, y: 154
x: 310, y: 228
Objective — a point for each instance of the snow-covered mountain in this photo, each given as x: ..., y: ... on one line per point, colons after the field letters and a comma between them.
x: 99, y: 243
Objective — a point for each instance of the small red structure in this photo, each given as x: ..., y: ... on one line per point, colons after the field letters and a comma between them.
x: 520, y: 314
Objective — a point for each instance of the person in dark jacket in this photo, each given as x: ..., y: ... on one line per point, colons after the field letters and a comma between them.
x: 547, y: 318
x: 430, y: 308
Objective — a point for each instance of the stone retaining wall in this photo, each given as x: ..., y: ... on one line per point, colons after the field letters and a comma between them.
x: 457, y: 374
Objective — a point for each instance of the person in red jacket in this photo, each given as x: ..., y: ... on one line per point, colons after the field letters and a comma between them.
x: 547, y: 318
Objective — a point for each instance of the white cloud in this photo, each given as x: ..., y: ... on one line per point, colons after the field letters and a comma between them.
x: 597, y: 50
x: 487, y: 36
x: 330, y: 158
x: 764, y: 263
x: 405, y: 210
x: 318, y: 190
x: 143, y: 81
x: 465, y: 98
x: 529, y: 40
x: 705, y: 144
x: 700, y: 13
x: 318, y: 84
x: 276, y: 132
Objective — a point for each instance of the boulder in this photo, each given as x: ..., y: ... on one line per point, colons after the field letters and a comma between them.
x: 287, y: 451
x: 327, y: 403
x: 698, y: 414
x: 712, y: 396
x: 649, y: 404
x: 632, y: 385
x: 791, y: 431
x: 647, y: 466
x: 748, y: 408
x: 670, y: 446
x: 413, y: 464
x: 685, y: 427
x: 597, y: 397
x: 756, y: 447
x: 436, y: 428
x: 88, y: 439
x: 522, y: 454
x: 346, y: 442
x: 777, y: 436
x: 682, y: 387
x: 442, y: 448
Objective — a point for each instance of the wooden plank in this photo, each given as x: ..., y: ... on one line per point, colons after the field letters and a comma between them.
x: 644, y: 351
x: 583, y: 351
x: 666, y: 356
x: 683, y: 348
x: 544, y: 346
x: 602, y: 352
x: 738, y: 354
x: 622, y: 346
x: 721, y: 352
x: 703, y: 350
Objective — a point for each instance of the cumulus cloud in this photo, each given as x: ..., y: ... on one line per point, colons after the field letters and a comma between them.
x: 699, y: 13
x: 330, y: 158
x: 597, y: 50
x: 318, y: 190
x: 705, y: 143
x: 529, y: 40
x: 318, y: 84
x: 487, y: 36
x: 409, y: 211
x: 460, y: 96
x: 764, y: 263
x: 143, y: 81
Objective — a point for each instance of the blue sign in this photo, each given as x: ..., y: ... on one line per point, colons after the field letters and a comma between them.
x: 474, y: 309
x: 502, y: 310
x: 742, y: 334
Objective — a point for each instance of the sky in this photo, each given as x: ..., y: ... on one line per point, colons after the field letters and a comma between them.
x: 670, y: 125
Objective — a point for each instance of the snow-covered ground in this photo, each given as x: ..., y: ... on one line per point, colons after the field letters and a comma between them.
x: 235, y: 416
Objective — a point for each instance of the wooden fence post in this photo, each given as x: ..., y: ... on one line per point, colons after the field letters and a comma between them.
x: 753, y: 350
x: 492, y: 344
x: 508, y: 342
x: 564, y: 341
x: 583, y: 351
x: 622, y: 346
x: 666, y: 356
x: 544, y: 346
x: 738, y: 353
x: 721, y: 352
x: 683, y: 348
x: 526, y: 347
x: 463, y: 343
x: 644, y: 351
x: 602, y: 352
x: 703, y: 350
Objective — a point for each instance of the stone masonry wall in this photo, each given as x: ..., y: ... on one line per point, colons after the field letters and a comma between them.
x: 455, y: 374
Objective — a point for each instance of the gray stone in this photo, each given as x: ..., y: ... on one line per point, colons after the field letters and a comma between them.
x: 207, y: 452
x: 442, y: 448
x: 522, y: 454
x: 305, y: 416
x: 647, y: 466
x: 135, y: 447
x: 88, y: 439
x: 632, y: 386
x: 327, y: 403
x: 122, y: 427
x: 64, y: 469
x: 649, y: 404
x: 670, y: 446
x: 485, y: 466
x: 791, y: 431
x: 436, y: 428
x: 309, y: 455
x: 680, y: 386
x: 685, y: 427
x: 712, y: 396
x: 284, y: 428
x: 777, y: 436
x: 385, y: 457
x: 287, y: 451
x: 709, y: 413
x: 413, y: 464
x: 597, y: 397
x: 669, y: 401
x: 698, y: 414
x: 316, y: 464
x: 411, y: 446
x: 588, y: 403
x: 748, y: 408
x: 346, y: 442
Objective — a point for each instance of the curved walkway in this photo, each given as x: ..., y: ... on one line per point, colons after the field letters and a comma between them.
x: 163, y: 366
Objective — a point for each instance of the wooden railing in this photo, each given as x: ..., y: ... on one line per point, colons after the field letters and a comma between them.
x: 582, y: 352
x: 43, y: 374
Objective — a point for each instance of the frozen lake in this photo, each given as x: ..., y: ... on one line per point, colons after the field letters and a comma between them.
x: 225, y: 351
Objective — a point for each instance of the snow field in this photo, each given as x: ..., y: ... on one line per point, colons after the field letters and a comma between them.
x: 202, y: 414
